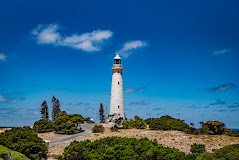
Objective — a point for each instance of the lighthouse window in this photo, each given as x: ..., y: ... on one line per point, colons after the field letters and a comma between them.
x: 117, y: 61
x: 118, y: 83
x: 118, y: 106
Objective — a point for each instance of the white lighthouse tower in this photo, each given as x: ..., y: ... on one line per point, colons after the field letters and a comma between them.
x: 117, y: 95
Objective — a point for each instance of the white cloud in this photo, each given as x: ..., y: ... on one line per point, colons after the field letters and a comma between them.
x: 3, y: 57
x: 5, y: 99
x: 130, y: 46
x: 222, y: 51
x: 47, y: 34
x: 132, y: 90
x: 88, y: 42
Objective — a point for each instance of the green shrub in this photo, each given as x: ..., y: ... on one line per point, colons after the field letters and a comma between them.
x: 6, y: 153
x: 98, y: 129
x: 168, y: 123
x: 58, y: 157
x: 24, y: 140
x: 115, y: 148
x: 149, y: 120
x: 136, y: 122
x: 43, y: 126
x: 236, y: 134
x: 67, y: 124
x: 213, y: 127
x: 230, y: 152
x: 197, y: 148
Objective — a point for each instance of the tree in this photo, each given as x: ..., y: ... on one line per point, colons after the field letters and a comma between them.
x: 44, y: 110
x: 201, y: 123
x: 67, y: 124
x: 55, y: 107
x: 101, y: 113
x: 213, y: 127
x: 43, y: 126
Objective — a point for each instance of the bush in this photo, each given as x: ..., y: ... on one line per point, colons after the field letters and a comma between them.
x: 213, y: 127
x: 197, y: 148
x: 135, y: 123
x: 168, y: 123
x: 230, y: 152
x: 43, y: 126
x: 8, y: 154
x: 26, y: 141
x: 98, y: 129
x: 67, y: 124
x: 115, y: 148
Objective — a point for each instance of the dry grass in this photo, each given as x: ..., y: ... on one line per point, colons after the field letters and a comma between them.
x: 51, y: 136
x: 4, y: 129
x: 176, y: 139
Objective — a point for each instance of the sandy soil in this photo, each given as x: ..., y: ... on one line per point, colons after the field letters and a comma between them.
x: 51, y: 136
x: 172, y: 139
x: 4, y: 129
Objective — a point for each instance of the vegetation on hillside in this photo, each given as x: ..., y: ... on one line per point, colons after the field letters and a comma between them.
x: 116, y: 148
x: 168, y: 123
x: 67, y: 124
x: 215, y: 128
x: 24, y: 140
x: 98, y: 129
x: 120, y: 149
x: 63, y: 124
x: 196, y: 150
x: 43, y: 125
x: 136, y: 122
x: 8, y: 154
x: 226, y: 153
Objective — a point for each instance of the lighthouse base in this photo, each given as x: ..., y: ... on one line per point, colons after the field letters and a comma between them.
x: 115, y: 118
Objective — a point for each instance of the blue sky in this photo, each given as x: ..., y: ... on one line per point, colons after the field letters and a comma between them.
x: 180, y: 58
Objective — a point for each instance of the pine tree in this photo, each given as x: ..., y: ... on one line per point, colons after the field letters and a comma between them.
x: 55, y: 107
x: 101, y: 113
x: 44, y: 110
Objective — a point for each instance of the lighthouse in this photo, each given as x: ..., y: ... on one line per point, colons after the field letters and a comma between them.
x: 117, y: 94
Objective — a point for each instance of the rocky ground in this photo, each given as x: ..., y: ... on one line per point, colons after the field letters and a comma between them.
x: 176, y: 139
